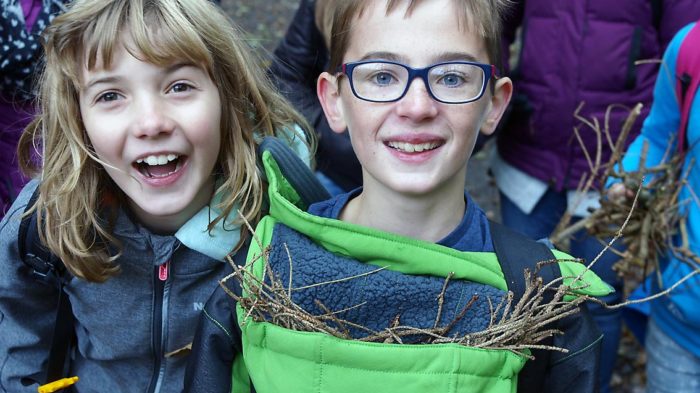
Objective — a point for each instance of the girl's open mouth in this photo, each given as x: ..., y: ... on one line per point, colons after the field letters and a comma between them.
x: 160, y: 165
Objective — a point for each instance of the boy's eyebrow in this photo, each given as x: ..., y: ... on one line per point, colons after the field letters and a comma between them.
x: 455, y: 56
x: 441, y: 57
x: 383, y: 56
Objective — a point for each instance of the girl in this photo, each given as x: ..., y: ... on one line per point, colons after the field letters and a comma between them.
x: 150, y: 112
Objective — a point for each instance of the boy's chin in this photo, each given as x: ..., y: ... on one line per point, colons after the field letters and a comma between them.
x: 424, y: 187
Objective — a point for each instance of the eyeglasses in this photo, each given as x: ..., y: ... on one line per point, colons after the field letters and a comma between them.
x: 454, y: 82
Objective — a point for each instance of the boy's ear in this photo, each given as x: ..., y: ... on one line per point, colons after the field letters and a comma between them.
x: 503, y: 90
x: 328, y: 93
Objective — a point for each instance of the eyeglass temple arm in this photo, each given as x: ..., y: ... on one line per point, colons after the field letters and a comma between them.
x: 494, y: 72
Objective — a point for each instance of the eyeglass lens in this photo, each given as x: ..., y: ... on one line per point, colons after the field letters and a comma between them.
x: 451, y: 82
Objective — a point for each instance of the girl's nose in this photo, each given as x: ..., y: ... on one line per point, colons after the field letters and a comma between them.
x: 152, y: 120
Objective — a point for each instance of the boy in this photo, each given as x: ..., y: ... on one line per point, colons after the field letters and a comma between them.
x: 412, y: 83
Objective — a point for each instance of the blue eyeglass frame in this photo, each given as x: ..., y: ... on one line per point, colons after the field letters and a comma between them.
x: 413, y: 73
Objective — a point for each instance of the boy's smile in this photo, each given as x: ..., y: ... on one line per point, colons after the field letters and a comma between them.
x: 157, y: 132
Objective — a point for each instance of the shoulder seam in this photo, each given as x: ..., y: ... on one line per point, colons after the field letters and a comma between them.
x: 218, y: 324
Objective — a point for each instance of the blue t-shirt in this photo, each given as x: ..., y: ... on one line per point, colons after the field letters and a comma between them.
x: 472, y: 233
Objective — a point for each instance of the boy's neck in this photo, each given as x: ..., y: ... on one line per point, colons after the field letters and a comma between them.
x: 425, y: 217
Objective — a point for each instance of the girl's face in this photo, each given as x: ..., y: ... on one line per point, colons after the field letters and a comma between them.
x: 157, y: 132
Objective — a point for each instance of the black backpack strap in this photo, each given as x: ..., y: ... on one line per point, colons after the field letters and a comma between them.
x: 515, y: 253
x: 48, y: 269
x: 295, y: 171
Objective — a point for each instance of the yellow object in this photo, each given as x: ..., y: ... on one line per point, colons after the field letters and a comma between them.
x: 57, y: 385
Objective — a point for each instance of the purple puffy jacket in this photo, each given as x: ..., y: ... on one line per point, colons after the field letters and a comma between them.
x: 577, y: 51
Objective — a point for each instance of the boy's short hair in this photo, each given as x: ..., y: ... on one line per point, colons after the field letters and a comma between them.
x: 483, y: 17
x: 324, y: 11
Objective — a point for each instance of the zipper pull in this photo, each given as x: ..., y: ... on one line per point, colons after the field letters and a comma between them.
x: 163, y: 271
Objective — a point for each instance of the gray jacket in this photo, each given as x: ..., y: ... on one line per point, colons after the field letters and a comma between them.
x: 129, y: 329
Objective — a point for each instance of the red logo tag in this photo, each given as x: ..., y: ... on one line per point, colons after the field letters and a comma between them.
x: 163, y: 271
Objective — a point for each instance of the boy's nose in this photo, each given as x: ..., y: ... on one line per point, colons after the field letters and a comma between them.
x: 417, y: 104
x: 152, y: 120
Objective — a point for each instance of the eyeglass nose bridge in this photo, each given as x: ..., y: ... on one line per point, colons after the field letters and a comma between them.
x: 421, y: 73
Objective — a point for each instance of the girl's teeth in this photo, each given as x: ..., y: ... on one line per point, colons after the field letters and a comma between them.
x: 160, y: 159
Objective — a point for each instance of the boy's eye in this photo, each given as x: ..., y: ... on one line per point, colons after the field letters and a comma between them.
x: 383, y: 78
x: 180, y: 87
x: 108, y: 97
x: 452, y: 80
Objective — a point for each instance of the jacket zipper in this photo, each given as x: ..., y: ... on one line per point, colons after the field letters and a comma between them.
x: 161, y: 284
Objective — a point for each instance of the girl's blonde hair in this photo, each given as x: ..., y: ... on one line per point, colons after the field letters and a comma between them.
x: 75, y: 216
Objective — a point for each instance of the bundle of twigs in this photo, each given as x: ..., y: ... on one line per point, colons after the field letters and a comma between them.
x: 514, y: 326
x: 652, y: 217
x: 653, y: 223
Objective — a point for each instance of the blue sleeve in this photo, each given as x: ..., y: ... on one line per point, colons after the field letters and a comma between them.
x: 27, y: 310
x: 661, y: 126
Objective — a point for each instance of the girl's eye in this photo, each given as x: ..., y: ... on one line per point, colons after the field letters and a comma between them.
x: 108, y: 97
x: 181, y: 87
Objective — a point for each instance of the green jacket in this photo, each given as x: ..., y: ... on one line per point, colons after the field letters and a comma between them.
x: 275, y: 359
x: 281, y: 360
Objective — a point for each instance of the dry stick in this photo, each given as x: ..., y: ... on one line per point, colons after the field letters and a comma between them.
x: 339, y: 280
x: 460, y: 315
x: 617, y: 150
x: 289, y: 256
x: 441, y: 299
x: 619, y: 232
x: 333, y: 317
x: 651, y: 297
x: 606, y: 129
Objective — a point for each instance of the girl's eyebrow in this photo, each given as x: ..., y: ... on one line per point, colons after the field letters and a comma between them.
x: 177, y: 66
x: 115, y: 79
x: 97, y: 81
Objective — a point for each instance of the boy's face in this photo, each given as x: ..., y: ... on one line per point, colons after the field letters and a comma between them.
x: 416, y: 145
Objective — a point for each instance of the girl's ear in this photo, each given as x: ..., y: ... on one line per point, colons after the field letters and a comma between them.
x: 503, y: 90
x: 328, y: 93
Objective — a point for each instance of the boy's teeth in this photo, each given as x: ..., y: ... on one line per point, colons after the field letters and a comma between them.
x: 410, y: 147
x: 160, y: 159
